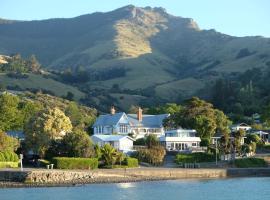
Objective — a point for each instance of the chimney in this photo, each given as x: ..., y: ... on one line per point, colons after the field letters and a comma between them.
x: 112, y: 110
x: 139, y: 114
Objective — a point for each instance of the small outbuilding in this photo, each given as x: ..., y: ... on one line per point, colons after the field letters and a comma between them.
x: 121, y: 143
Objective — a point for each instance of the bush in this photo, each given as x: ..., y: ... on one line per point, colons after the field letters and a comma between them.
x: 9, y: 164
x: 154, y: 155
x: 8, y: 156
x: 140, y: 141
x: 75, y: 163
x: 195, y: 157
x: 131, y: 162
x: 250, y: 162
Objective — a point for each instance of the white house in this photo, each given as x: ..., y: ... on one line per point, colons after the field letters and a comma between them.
x: 241, y: 126
x: 137, y: 125
x: 119, y: 142
x: 262, y: 134
x: 180, y: 140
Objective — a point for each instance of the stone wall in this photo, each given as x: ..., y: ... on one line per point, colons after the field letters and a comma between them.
x: 123, y: 175
x: 46, y: 176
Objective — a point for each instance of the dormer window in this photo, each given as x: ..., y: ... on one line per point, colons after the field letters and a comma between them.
x: 123, y: 128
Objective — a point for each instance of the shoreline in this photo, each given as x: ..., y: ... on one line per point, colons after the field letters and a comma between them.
x: 107, y: 176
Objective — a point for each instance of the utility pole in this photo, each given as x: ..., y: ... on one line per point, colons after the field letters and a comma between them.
x: 216, y: 153
x: 21, y: 159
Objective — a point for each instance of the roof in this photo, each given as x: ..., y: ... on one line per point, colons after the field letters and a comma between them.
x: 259, y: 132
x: 110, y: 138
x: 108, y: 119
x: 181, y: 130
x: 16, y: 134
x: 150, y: 121
x: 240, y: 124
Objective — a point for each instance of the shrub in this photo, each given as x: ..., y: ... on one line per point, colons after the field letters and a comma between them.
x: 250, y: 162
x: 195, y: 157
x: 140, y: 141
x: 9, y: 164
x: 154, y: 155
x: 131, y: 162
x: 75, y: 163
x: 8, y: 156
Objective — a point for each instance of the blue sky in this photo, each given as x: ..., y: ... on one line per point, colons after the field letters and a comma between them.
x: 234, y: 17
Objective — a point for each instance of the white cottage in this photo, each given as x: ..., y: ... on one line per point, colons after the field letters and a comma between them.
x: 119, y: 142
x: 180, y: 140
x: 138, y: 125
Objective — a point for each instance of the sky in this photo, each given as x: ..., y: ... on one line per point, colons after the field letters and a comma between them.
x: 233, y: 17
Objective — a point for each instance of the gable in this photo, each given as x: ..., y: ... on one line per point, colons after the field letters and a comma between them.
x: 108, y: 120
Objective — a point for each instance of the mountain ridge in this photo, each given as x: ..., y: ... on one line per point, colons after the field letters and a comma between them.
x: 143, y: 50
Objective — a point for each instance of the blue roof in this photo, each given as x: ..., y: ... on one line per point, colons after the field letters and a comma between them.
x: 109, y: 138
x: 109, y: 119
x: 16, y: 134
x: 150, y: 121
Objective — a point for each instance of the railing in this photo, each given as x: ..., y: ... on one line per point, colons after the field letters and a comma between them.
x: 198, y: 149
x: 138, y: 147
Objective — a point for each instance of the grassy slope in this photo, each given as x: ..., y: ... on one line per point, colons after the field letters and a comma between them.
x: 39, y: 82
x: 157, y: 50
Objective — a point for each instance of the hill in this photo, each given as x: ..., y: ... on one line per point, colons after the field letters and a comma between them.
x: 36, y: 82
x: 140, y: 52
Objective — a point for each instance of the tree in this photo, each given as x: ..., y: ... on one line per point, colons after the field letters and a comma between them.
x: 199, y: 115
x: 29, y: 109
x: 69, y: 96
x: 223, y: 124
x: 109, y: 154
x: 10, y: 117
x: 238, y: 136
x: 46, y: 126
x: 151, y: 141
x: 8, y: 143
x: 74, y: 113
x: 79, y: 116
x: 78, y: 144
x: 98, y: 152
x: 33, y: 64
x: 169, y: 108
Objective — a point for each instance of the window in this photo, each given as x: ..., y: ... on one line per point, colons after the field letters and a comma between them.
x: 194, y: 144
x: 123, y: 129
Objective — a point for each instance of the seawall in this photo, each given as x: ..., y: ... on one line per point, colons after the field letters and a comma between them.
x: 54, y: 177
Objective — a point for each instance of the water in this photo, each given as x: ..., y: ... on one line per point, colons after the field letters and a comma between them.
x: 218, y: 189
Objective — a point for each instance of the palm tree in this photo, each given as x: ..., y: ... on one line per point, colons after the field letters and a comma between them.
x: 109, y: 154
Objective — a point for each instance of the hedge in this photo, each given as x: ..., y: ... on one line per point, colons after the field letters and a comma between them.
x: 9, y: 164
x: 8, y: 156
x: 75, y: 163
x: 131, y: 162
x: 195, y: 157
x: 250, y: 162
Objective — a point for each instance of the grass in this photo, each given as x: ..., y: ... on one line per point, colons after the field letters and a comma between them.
x: 39, y: 82
x: 173, y: 89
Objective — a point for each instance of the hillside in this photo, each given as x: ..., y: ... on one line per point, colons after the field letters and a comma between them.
x: 35, y: 82
x: 143, y: 52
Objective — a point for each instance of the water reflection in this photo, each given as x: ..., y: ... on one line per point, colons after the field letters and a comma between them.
x: 126, y: 185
